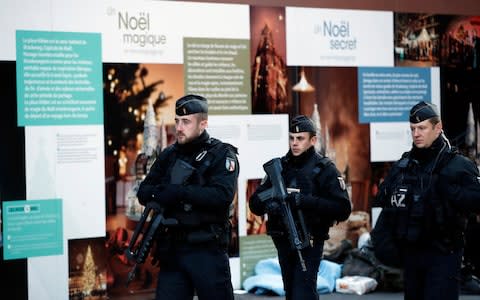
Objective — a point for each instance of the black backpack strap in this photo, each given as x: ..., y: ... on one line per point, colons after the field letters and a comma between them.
x: 444, y: 158
x: 320, y: 165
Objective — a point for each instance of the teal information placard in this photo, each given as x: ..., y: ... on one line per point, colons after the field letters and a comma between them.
x: 32, y: 228
x: 59, y: 78
x: 386, y: 94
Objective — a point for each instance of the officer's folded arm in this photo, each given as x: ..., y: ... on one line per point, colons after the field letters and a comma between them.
x: 164, y: 194
x: 461, y: 189
x: 208, y: 196
x: 464, y: 197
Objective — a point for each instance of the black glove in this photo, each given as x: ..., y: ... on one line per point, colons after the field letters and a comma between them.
x: 145, y: 193
x: 167, y: 194
x: 272, y: 207
x: 294, y: 200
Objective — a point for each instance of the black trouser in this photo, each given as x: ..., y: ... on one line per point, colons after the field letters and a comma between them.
x: 205, y: 271
x: 431, y: 274
x: 299, y: 285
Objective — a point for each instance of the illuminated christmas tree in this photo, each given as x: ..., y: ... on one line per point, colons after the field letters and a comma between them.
x: 89, y: 273
x: 329, y: 149
x: 143, y: 162
x: 319, y: 145
x: 470, y: 134
x: 150, y: 132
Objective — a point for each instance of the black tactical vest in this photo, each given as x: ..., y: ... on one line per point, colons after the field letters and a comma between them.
x: 420, y: 215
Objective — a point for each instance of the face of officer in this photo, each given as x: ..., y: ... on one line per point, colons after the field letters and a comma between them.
x: 425, y: 132
x: 301, y: 142
x: 189, y: 127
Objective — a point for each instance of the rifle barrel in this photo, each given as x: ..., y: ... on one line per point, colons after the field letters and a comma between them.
x: 273, y: 168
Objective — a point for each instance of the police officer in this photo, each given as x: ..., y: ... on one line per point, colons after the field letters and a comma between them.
x: 320, y: 197
x: 195, y: 181
x: 425, y: 198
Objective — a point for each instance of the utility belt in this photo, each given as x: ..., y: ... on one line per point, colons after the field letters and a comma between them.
x: 215, y: 234
x: 188, y: 218
x: 171, y: 239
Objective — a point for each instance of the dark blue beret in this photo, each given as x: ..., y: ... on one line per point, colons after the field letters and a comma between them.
x: 302, y: 123
x: 423, y: 111
x: 191, y: 104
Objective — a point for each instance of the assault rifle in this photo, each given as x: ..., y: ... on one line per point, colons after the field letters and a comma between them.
x: 150, y: 221
x: 299, y: 237
x: 138, y: 251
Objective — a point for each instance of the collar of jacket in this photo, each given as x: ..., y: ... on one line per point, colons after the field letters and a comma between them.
x: 301, y: 159
x: 195, y: 145
x: 424, y: 155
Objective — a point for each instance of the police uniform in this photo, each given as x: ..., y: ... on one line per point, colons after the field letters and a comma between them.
x: 192, y: 254
x: 322, y: 199
x: 425, y: 199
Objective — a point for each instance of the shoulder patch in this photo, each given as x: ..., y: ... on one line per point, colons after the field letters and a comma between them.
x: 230, y: 164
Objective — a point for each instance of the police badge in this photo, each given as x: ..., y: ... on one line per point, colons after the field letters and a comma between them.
x: 230, y: 164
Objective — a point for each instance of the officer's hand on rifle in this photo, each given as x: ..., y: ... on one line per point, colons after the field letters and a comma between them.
x: 167, y: 194
x: 272, y: 207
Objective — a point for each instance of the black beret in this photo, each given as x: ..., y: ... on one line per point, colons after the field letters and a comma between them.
x: 191, y: 104
x: 302, y: 123
x: 423, y: 111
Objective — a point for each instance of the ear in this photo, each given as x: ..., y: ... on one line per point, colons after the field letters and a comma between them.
x: 203, y: 124
x: 313, y: 140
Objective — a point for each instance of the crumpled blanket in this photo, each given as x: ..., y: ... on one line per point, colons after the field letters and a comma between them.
x: 268, y: 277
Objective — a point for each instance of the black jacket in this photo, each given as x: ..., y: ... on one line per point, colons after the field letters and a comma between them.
x: 441, y: 187
x: 324, y: 198
x: 209, y: 191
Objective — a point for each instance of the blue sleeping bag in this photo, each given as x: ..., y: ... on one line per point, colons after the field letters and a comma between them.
x: 268, y: 277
